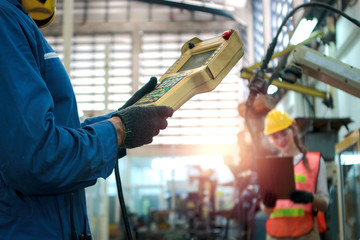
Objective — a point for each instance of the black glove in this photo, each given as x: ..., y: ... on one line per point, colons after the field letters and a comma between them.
x: 298, y: 196
x: 142, y: 123
x: 269, y: 199
x: 148, y: 87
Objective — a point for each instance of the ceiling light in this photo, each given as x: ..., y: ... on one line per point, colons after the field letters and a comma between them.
x: 303, y: 30
x: 236, y: 3
x: 272, y: 89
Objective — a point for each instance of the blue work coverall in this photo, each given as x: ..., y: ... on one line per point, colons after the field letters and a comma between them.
x: 46, y: 157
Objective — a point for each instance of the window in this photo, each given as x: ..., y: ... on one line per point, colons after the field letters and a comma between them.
x: 258, y: 21
x: 101, y: 71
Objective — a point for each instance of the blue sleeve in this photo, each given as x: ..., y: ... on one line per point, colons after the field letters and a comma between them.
x: 92, y: 120
x: 43, y: 148
x: 96, y: 119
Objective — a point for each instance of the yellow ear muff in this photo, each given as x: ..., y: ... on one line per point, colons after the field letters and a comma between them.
x: 42, y: 12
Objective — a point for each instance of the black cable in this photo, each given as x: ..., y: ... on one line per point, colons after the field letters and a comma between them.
x: 122, y: 202
x: 258, y: 84
x: 72, y: 223
x: 272, y: 45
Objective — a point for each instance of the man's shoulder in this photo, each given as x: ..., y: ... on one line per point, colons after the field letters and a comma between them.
x: 10, y: 4
x: 11, y: 9
x: 4, y: 5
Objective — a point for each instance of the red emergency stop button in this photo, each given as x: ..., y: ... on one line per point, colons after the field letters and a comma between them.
x: 226, y: 35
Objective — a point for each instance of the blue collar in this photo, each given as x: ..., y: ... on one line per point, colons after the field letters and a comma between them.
x: 17, y: 4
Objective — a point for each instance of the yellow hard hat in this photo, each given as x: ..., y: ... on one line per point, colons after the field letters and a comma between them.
x: 276, y: 121
x: 42, y: 12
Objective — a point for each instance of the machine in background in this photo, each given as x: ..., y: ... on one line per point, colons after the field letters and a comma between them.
x: 348, y: 186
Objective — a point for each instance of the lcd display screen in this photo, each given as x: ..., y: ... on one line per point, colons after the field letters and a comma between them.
x: 196, y: 60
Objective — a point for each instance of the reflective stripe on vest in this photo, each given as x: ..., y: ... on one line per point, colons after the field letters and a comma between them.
x: 290, y: 219
x: 288, y: 212
x: 300, y: 178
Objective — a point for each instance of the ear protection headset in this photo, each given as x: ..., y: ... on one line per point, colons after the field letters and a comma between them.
x: 41, y: 11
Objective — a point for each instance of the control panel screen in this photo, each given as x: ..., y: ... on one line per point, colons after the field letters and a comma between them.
x: 196, y: 60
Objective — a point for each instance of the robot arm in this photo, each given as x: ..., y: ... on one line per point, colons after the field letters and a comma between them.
x: 326, y: 69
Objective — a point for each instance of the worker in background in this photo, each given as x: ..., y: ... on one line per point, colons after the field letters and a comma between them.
x: 295, y: 218
x: 47, y: 158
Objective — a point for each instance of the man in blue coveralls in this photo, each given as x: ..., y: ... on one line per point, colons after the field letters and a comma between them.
x: 47, y: 157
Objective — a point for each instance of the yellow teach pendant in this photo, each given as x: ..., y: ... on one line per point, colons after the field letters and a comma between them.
x: 200, y: 68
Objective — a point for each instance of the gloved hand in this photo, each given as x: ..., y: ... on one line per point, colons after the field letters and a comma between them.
x: 142, y: 123
x: 298, y: 196
x: 269, y: 199
x: 148, y: 87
